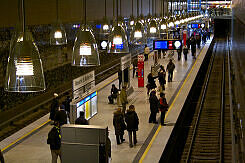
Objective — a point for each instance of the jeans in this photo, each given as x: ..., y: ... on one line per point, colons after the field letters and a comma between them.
x: 162, y: 117
x: 170, y: 76
x: 55, y: 154
x: 130, y: 138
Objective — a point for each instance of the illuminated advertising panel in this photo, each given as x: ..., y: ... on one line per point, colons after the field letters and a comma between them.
x: 194, y: 25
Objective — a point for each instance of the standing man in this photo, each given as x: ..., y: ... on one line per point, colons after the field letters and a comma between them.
x: 153, y: 107
x: 61, y: 115
x: 54, y: 106
x: 54, y: 140
x: 132, y: 121
x: 146, y: 52
x: 170, y: 69
x: 193, y: 46
x: 163, y: 107
x: 123, y: 99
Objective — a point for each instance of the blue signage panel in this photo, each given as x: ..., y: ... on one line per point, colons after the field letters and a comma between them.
x: 119, y: 46
x: 167, y: 44
x: 194, y: 25
x: 161, y: 44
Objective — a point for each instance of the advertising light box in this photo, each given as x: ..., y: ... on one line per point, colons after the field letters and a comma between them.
x: 87, y: 104
x: 194, y: 25
x: 167, y: 44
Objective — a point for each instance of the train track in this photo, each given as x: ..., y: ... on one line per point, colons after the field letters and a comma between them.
x: 39, y: 106
x: 209, y: 137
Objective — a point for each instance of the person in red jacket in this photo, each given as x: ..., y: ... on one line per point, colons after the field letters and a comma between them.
x: 163, y: 107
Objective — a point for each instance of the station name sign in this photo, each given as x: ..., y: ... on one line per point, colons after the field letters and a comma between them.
x: 167, y: 44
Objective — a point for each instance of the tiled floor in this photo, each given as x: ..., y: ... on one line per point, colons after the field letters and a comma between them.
x: 35, y: 149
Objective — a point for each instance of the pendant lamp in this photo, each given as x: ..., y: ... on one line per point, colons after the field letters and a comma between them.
x: 138, y: 35
x: 132, y: 19
x: 85, y: 50
x: 58, y: 34
x: 171, y: 22
x: 24, y: 70
x: 152, y: 30
x: 117, y: 41
x: 105, y: 28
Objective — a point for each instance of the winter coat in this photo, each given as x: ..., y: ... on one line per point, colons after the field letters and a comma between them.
x: 163, y: 105
x: 61, y: 117
x: 193, y: 45
x: 123, y: 96
x: 54, y: 138
x: 161, y: 77
x: 153, y: 103
x: 114, y: 91
x: 132, y: 120
x: 81, y: 121
x: 118, y: 123
x: 170, y: 67
x: 54, y: 108
x: 151, y: 81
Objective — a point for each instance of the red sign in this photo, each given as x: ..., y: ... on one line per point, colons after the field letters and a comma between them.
x: 140, y: 70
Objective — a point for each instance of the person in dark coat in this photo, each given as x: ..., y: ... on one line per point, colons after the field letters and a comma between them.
x: 1, y: 157
x: 161, y: 78
x: 120, y: 78
x: 193, y: 46
x: 114, y: 92
x: 81, y: 119
x: 179, y: 51
x: 163, y: 107
x: 54, y: 107
x: 54, y: 140
x: 153, y: 107
x: 67, y: 104
x: 170, y: 69
x: 135, y: 65
x: 132, y: 121
x: 61, y: 115
x: 119, y: 125
x: 198, y: 40
x: 185, y: 51
x: 151, y: 83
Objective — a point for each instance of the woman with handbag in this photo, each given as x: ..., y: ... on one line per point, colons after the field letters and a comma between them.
x: 163, y: 107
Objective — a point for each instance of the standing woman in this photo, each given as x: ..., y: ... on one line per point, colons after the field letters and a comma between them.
x: 163, y: 107
x: 153, y: 107
x: 161, y: 78
x: 119, y: 126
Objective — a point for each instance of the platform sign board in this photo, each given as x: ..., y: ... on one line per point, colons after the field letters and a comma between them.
x: 83, y: 84
x: 167, y: 44
x: 125, y: 61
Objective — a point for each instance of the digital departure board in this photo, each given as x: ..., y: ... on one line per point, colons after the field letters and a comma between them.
x: 167, y: 44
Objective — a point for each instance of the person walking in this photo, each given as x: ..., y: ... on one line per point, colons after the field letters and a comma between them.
x: 61, y: 115
x: 81, y: 119
x: 153, y: 107
x: 161, y: 78
x: 185, y: 51
x: 146, y: 52
x: 198, y: 40
x: 54, y: 140
x: 163, y: 107
x: 170, y: 69
x: 179, y: 51
x: 193, y: 46
x: 54, y: 107
x: 123, y: 99
x: 119, y: 125
x: 132, y: 121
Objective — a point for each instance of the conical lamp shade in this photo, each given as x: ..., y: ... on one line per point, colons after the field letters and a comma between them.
x: 163, y: 26
x: 58, y: 36
x: 138, y: 35
x: 85, y: 51
x: 152, y: 30
x: 24, y: 69
x: 118, y: 41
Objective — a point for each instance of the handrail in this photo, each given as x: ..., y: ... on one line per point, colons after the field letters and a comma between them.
x: 200, y: 107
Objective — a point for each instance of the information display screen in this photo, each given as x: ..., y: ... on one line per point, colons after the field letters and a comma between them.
x: 88, y: 105
x: 167, y: 44
x: 119, y: 46
x: 194, y: 25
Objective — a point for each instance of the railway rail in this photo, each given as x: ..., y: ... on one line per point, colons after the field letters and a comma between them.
x: 209, y: 137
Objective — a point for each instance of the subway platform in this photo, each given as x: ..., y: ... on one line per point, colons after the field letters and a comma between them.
x: 29, y: 145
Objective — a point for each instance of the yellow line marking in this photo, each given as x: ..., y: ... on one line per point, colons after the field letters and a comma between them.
x: 14, y: 142
x: 159, y: 127
x: 25, y: 135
